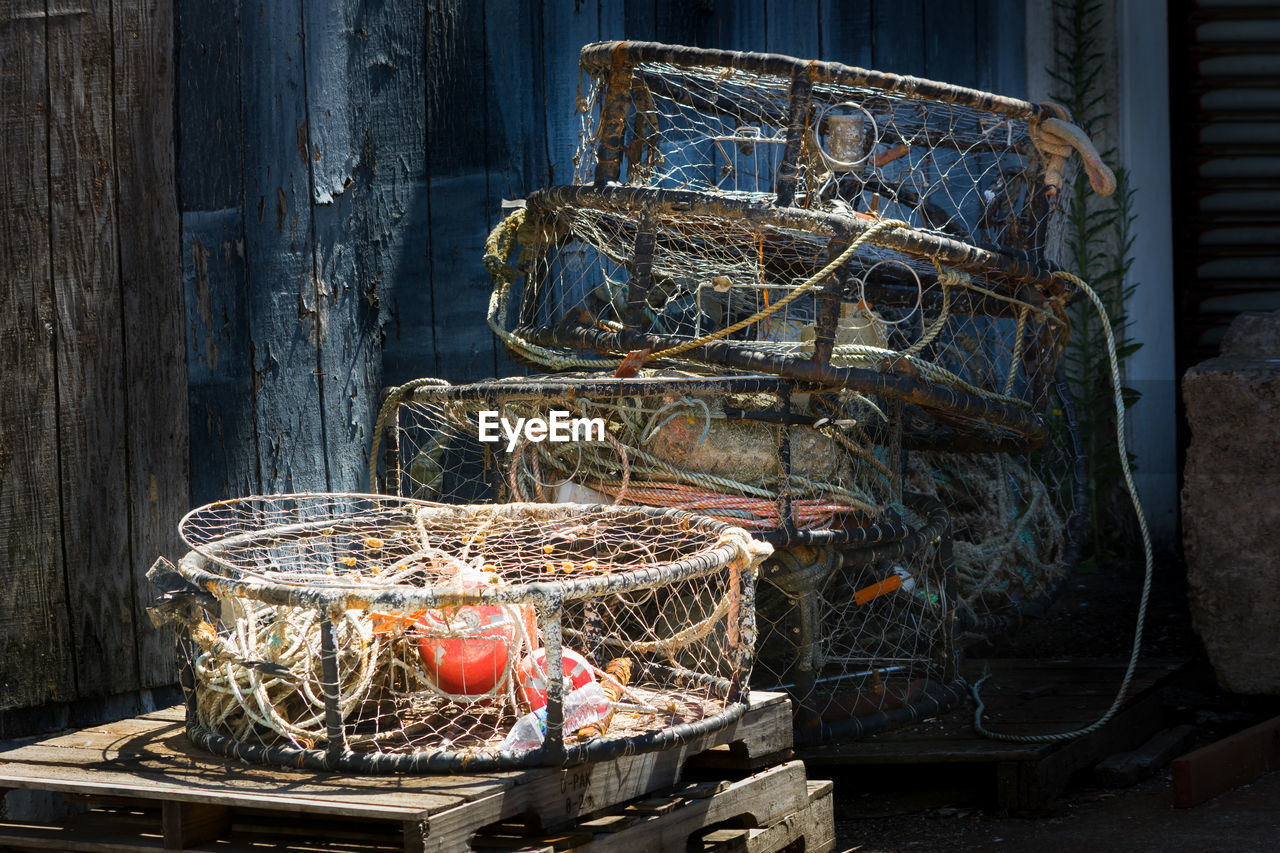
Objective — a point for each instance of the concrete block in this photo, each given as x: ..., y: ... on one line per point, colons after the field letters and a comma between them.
x: 1231, y: 505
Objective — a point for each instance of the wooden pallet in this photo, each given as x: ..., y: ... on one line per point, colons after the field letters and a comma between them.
x: 763, y: 813
x: 150, y: 789
x: 1022, y: 697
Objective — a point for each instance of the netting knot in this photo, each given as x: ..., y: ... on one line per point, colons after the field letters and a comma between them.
x: 749, y: 552
x: 1056, y: 139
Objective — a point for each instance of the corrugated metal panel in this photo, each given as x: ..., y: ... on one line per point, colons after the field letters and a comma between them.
x: 1225, y: 67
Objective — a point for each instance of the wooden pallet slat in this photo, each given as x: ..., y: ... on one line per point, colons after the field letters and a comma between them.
x: 815, y: 824
x: 1225, y: 764
x: 191, y: 799
x: 1024, y: 697
x: 773, y: 807
x: 188, y: 824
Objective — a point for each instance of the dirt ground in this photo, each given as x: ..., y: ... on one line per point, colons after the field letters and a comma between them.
x: 1093, y: 618
x: 1141, y: 818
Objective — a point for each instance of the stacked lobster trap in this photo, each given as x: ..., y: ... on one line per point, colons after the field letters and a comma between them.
x: 889, y: 238
x: 380, y: 634
x: 856, y: 600
x: 787, y: 306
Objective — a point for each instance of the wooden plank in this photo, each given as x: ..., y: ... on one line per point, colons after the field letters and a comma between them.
x: 813, y: 824
x: 566, y: 27
x: 88, y: 325
x: 559, y: 797
x: 845, y: 32
x: 283, y: 310
x: 1225, y: 764
x: 223, y: 434
x: 150, y: 758
x: 950, y: 37
x: 171, y: 775
x: 677, y: 22
x: 171, y: 714
x: 640, y: 20
x: 188, y: 824
x: 224, y: 438
x: 1002, y: 47
x: 394, y: 245
x: 1123, y: 769
x: 370, y: 803
x: 1042, y: 781
x: 154, y: 348
x: 125, y: 830
x: 458, y: 189
x: 793, y: 28
x: 897, y: 38
x: 612, y: 19
x: 35, y: 633
x: 672, y: 822
x: 762, y: 799
x: 348, y: 314
x: 156, y: 748
x: 88, y: 833
x: 515, y: 126
x: 739, y: 25
x: 919, y: 751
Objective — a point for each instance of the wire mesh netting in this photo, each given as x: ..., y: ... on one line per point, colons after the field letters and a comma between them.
x: 968, y: 338
x: 861, y: 637
x: 1017, y: 521
x: 787, y: 463
x: 955, y: 162
x: 380, y: 634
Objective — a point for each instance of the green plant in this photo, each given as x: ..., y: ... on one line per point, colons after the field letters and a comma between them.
x: 1099, y: 247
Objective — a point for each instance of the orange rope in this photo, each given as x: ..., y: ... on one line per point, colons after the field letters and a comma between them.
x: 809, y: 513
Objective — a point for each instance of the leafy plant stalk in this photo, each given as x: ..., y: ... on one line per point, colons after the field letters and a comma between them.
x: 1098, y: 246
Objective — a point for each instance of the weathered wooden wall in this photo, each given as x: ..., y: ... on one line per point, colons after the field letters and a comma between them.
x: 342, y: 162
x: 93, y: 416
x: 338, y: 164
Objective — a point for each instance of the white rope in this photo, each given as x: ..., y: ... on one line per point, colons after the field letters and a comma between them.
x: 1136, y: 650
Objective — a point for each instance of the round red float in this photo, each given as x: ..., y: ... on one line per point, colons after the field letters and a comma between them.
x: 531, y: 677
x: 468, y: 651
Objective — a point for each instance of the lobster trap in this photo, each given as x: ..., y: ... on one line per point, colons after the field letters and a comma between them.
x: 861, y: 637
x: 956, y: 163
x: 967, y: 339
x: 790, y: 463
x: 380, y: 634
x: 1017, y: 522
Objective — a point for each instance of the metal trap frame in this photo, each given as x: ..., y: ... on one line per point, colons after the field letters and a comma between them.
x: 792, y: 463
x: 955, y: 162
x: 379, y: 634
x: 862, y: 637
x: 968, y: 339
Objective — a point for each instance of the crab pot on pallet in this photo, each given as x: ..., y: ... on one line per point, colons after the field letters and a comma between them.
x: 959, y: 163
x: 966, y: 339
x: 790, y: 463
x: 1017, y: 522
x: 861, y: 637
x: 381, y: 634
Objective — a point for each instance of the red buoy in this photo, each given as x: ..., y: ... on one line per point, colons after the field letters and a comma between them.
x: 531, y: 677
x: 469, y: 650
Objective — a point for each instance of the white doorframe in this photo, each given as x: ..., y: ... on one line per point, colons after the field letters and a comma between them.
x: 1140, y: 37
